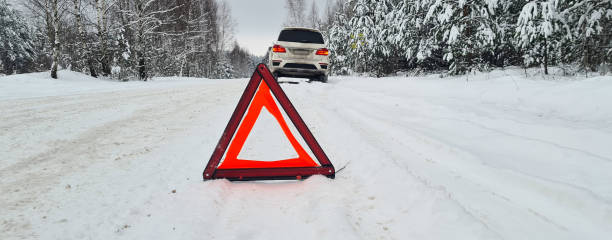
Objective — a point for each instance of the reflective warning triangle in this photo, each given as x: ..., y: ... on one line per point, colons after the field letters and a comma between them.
x: 260, y: 93
x: 262, y: 99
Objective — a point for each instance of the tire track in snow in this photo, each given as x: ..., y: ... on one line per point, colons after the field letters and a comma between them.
x: 332, y: 125
x: 427, y: 181
x: 366, y: 135
x: 74, y: 104
x: 69, y: 119
x: 425, y: 120
x: 135, y: 134
x: 373, y: 118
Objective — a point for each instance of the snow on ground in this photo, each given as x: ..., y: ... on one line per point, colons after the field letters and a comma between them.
x: 492, y: 156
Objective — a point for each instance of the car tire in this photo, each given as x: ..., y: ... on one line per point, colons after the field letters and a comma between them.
x: 322, y: 78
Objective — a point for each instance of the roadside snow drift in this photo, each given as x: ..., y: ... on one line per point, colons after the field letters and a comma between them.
x: 492, y: 156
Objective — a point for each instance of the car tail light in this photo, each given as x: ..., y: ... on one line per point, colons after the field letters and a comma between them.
x: 323, y: 51
x: 278, y: 49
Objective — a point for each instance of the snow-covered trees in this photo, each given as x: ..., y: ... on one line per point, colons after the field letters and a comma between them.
x: 504, y: 50
x: 558, y: 31
x: 226, y: 25
x: 130, y: 39
x: 382, y: 36
x: 541, y: 28
x: 338, y: 35
x: 464, y: 29
x: 314, y: 21
x: 371, y: 27
x: 50, y: 13
x: 16, y: 41
x: 360, y: 36
x: 241, y: 61
x: 142, y: 24
x: 298, y: 15
x: 295, y: 13
x: 590, y: 22
x: 127, y: 39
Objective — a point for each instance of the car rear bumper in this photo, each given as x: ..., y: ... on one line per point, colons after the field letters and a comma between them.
x: 299, y: 68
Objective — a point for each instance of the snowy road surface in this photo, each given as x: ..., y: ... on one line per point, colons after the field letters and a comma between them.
x: 495, y: 157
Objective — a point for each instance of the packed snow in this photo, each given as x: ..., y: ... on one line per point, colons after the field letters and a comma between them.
x: 489, y: 156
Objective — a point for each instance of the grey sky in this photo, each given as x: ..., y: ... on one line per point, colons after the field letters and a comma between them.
x: 260, y: 21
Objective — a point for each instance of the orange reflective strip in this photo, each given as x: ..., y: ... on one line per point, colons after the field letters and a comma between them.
x: 262, y: 99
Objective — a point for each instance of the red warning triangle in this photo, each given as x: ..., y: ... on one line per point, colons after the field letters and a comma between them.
x: 259, y: 94
x: 262, y: 99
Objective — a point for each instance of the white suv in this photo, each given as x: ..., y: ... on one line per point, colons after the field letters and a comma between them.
x: 299, y: 52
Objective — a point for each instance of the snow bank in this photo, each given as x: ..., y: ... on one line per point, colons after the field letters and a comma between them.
x: 70, y: 83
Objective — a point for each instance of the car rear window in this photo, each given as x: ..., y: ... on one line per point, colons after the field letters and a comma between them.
x: 301, y: 36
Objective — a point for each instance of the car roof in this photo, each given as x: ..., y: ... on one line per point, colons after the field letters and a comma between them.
x: 301, y: 28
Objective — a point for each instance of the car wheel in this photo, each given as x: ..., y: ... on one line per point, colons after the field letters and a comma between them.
x: 323, y: 78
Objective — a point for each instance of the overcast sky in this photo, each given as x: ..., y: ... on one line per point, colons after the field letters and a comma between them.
x: 260, y: 21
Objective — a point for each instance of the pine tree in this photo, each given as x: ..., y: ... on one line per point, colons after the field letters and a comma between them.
x: 464, y: 30
x: 16, y: 41
x: 408, y: 32
x: 590, y: 22
x: 505, y: 52
x: 540, y: 30
x: 369, y: 29
x: 339, y: 36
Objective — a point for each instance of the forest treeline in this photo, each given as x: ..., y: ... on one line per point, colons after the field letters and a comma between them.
x: 138, y: 39
x: 123, y: 39
x: 386, y: 36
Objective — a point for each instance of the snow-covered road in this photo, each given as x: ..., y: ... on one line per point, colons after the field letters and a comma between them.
x: 495, y: 157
